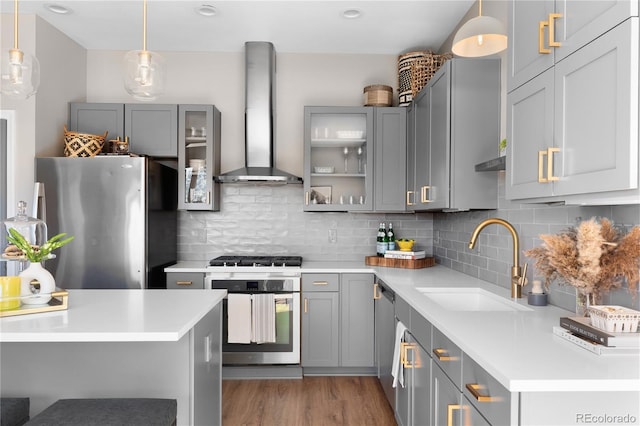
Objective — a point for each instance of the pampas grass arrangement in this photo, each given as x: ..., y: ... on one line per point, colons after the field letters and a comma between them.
x: 593, y: 257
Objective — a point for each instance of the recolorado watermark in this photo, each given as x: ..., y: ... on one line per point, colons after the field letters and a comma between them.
x: 604, y: 419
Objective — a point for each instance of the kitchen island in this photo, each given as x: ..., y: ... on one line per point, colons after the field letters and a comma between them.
x: 119, y: 344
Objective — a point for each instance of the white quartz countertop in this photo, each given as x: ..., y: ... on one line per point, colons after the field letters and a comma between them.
x: 115, y: 316
x: 518, y: 348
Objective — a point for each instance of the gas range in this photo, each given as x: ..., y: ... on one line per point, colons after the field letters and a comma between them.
x: 268, y: 266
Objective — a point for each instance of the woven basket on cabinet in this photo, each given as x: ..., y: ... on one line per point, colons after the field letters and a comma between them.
x: 415, y: 69
x: 82, y: 144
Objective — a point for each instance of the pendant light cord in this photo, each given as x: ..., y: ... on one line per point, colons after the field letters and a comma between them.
x: 144, y: 25
x: 15, y: 24
x: 479, y: 7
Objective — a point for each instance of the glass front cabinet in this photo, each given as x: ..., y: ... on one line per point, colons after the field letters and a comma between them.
x: 338, y: 152
x: 198, y: 157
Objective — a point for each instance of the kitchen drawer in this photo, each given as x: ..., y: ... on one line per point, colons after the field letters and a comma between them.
x: 491, y: 399
x: 185, y: 280
x: 320, y: 282
x: 403, y: 311
x: 448, y: 356
x: 421, y: 330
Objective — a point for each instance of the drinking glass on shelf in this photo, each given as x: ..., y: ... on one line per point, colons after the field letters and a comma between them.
x: 360, y: 151
x: 346, y: 154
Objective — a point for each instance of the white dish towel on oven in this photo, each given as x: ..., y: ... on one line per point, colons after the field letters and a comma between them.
x: 264, y: 318
x: 238, y: 318
x: 397, y: 371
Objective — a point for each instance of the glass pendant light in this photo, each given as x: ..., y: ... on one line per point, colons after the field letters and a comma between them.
x: 480, y: 36
x: 144, y: 70
x: 20, y: 75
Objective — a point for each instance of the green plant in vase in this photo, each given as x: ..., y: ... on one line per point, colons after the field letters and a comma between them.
x: 34, y: 253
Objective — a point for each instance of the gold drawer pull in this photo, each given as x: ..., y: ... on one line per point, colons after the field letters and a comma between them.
x: 475, y: 390
x: 465, y: 411
x: 443, y: 355
x: 423, y: 194
x: 541, y: 49
x: 552, y: 29
x: 541, y: 178
x: 306, y: 305
x: 306, y: 198
x: 184, y: 282
x: 409, y: 195
x: 376, y: 292
x: 404, y: 356
x: 320, y: 283
x: 550, y: 176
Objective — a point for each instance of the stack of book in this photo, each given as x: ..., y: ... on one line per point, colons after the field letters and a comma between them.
x: 580, y: 331
x: 408, y: 255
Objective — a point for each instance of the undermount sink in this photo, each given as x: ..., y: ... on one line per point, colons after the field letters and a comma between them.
x: 469, y: 299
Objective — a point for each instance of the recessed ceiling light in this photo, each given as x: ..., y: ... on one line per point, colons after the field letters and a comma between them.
x: 352, y: 13
x: 206, y: 10
x: 56, y: 8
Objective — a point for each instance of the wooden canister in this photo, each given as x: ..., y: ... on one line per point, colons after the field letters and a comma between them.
x: 378, y: 95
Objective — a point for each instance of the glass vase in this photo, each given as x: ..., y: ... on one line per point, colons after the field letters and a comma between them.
x: 583, y: 301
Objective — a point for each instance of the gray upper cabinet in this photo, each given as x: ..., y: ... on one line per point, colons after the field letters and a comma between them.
x: 543, y: 32
x: 198, y: 157
x: 573, y: 130
x: 355, y: 159
x: 456, y: 124
x: 338, y: 158
x: 410, y: 196
x: 152, y: 129
x: 390, y: 159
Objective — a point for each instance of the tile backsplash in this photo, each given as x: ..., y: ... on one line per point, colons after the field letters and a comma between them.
x: 266, y: 219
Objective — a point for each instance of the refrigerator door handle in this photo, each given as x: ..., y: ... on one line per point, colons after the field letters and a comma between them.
x: 39, y: 202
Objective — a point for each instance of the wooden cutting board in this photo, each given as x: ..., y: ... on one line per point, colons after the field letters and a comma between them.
x: 400, y: 263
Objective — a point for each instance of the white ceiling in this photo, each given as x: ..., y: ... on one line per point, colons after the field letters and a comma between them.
x: 384, y: 27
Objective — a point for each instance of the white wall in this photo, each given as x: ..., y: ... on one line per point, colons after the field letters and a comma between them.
x: 218, y: 78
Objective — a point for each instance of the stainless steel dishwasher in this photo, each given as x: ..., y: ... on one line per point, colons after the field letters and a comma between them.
x: 385, y: 337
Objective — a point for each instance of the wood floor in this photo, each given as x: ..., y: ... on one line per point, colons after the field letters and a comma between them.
x: 349, y: 401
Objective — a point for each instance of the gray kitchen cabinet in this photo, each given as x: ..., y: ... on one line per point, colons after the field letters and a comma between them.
x: 410, y: 196
x: 413, y: 400
x: 185, y: 280
x: 152, y: 129
x: 543, y: 32
x: 446, y: 400
x: 320, y: 340
x: 338, y: 321
x: 198, y: 157
x: 357, y: 334
x: 390, y: 159
x: 338, y: 158
x: 571, y: 139
x: 354, y: 158
x: 457, y: 119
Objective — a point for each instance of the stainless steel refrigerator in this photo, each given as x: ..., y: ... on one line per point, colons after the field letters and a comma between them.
x: 121, y: 211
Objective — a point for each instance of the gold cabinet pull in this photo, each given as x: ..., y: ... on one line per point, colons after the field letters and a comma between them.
x: 552, y: 29
x: 550, y: 176
x: 541, y: 49
x: 423, y: 194
x: 541, y: 178
x: 376, y: 292
x: 443, y: 355
x: 404, y: 356
x: 184, y: 282
x: 320, y: 283
x: 306, y: 305
x: 453, y: 407
x: 409, y: 194
x: 475, y: 390
x: 306, y: 198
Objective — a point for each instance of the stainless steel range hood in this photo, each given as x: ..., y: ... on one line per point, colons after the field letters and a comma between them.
x: 259, y: 126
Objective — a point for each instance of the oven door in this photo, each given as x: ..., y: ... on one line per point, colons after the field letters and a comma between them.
x: 285, y: 350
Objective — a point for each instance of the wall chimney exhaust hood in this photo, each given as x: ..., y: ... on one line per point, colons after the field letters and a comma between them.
x: 259, y: 126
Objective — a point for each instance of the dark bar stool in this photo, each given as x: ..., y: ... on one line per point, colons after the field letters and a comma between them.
x: 14, y: 411
x: 108, y: 411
